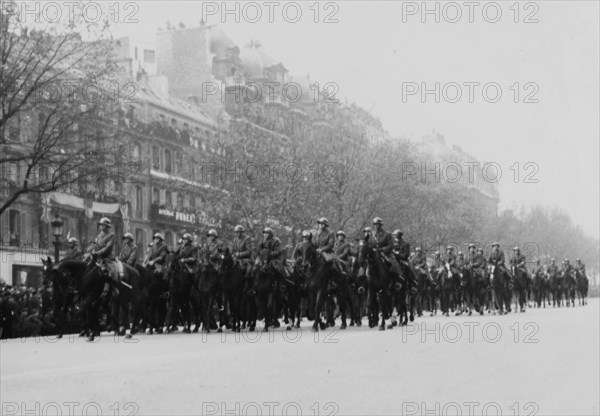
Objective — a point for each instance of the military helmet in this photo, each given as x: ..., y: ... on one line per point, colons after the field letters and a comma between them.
x: 460, y: 253
x: 128, y: 235
x: 567, y: 260
x: 418, y: 249
x: 187, y: 236
x: 480, y: 250
x: 377, y: 220
x: 495, y: 243
x: 437, y: 253
x: 73, y: 240
x: 212, y: 232
x: 238, y: 228
x: 105, y: 221
x: 578, y: 260
x: 449, y: 247
x: 160, y: 236
x: 516, y: 248
x: 323, y: 220
x: 397, y: 233
x: 367, y: 230
x: 306, y: 234
x: 471, y: 245
x: 340, y: 232
x: 268, y: 230
x: 552, y: 260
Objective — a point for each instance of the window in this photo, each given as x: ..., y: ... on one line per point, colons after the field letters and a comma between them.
x: 168, y: 167
x: 136, y: 152
x: 149, y: 56
x: 179, y: 201
x: 178, y: 162
x: 139, y: 199
x: 169, y: 199
x: 155, y: 158
x: 155, y: 196
x: 14, y: 227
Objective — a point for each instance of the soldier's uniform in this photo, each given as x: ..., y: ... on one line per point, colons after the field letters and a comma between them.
x: 420, y: 260
x: 129, y: 254
x: 213, y: 249
x: 158, y: 256
x: 342, y: 250
x: 518, y: 261
x: 450, y: 259
x: 580, y: 267
x: 187, y: 254
x: 552, y: 269
x: 73, y: 253
x: 566, y: 268
x: 273, y: 246
x: 384, y: 243
x: 497, y: 260
x: 324, y: 241
x: 104, y: 249
x: 242, y: 250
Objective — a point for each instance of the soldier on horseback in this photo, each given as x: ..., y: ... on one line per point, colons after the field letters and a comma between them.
x: 496, y: 259
x: 566, y: 268
x: 158, y: 255
x: 74, y: 252
x: 273, y: 246
x: 213, y: 247
x: 384, y: 245
x: 518, y: 261
x: 342, y: 251
x: 103, y: 252
x: 188, y: 253
x: 242, y: 250
x: 580, y: 267
x: 401, y: 250
x: 128, y: 254
x: 419, y: 261
x: 450, y: 261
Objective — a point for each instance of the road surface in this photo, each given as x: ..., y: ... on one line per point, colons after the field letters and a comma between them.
x: 542, y: 362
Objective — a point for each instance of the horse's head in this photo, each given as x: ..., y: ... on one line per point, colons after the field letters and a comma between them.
x: 226, y: 260
x: 263, y: 258
x: 366, y: 251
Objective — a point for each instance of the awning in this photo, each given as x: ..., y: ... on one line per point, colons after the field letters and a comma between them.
x: 72, y: 201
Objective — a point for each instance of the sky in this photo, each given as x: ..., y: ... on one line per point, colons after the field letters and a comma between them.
x: 542, y: 57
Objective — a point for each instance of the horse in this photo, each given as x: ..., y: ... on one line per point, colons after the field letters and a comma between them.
x: 378, y: 283
x: 315, y: 271
x: 182, y: 289
x: 520, y: 287
x: 265, y: 279
x: 63, y: 294
x: 357, y: 283
x: 555, y: 288
x: 582, y: 287
x: 232, y: 280
x: 403, y: 295
x: 539, y: 289
x: 155, y: 299
x: 209, y: 286
x: 501, y: 285
x: 448, y: 283
x: 87, y: 280
x: 128, y: 301
x: 569, y: 287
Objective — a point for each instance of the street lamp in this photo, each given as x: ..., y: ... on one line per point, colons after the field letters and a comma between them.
x: 57, y: 230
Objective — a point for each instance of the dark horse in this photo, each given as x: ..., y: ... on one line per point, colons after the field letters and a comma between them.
x: 265, y: 284
x: 582, y: 286
x: 520, y: 279
x: 501, y: 283
x: 209, y: 286
x: 183, y: 295
x: 232, y: 281
x: 87, y: 281
x: 378, y: 283
x: 315, y: 272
